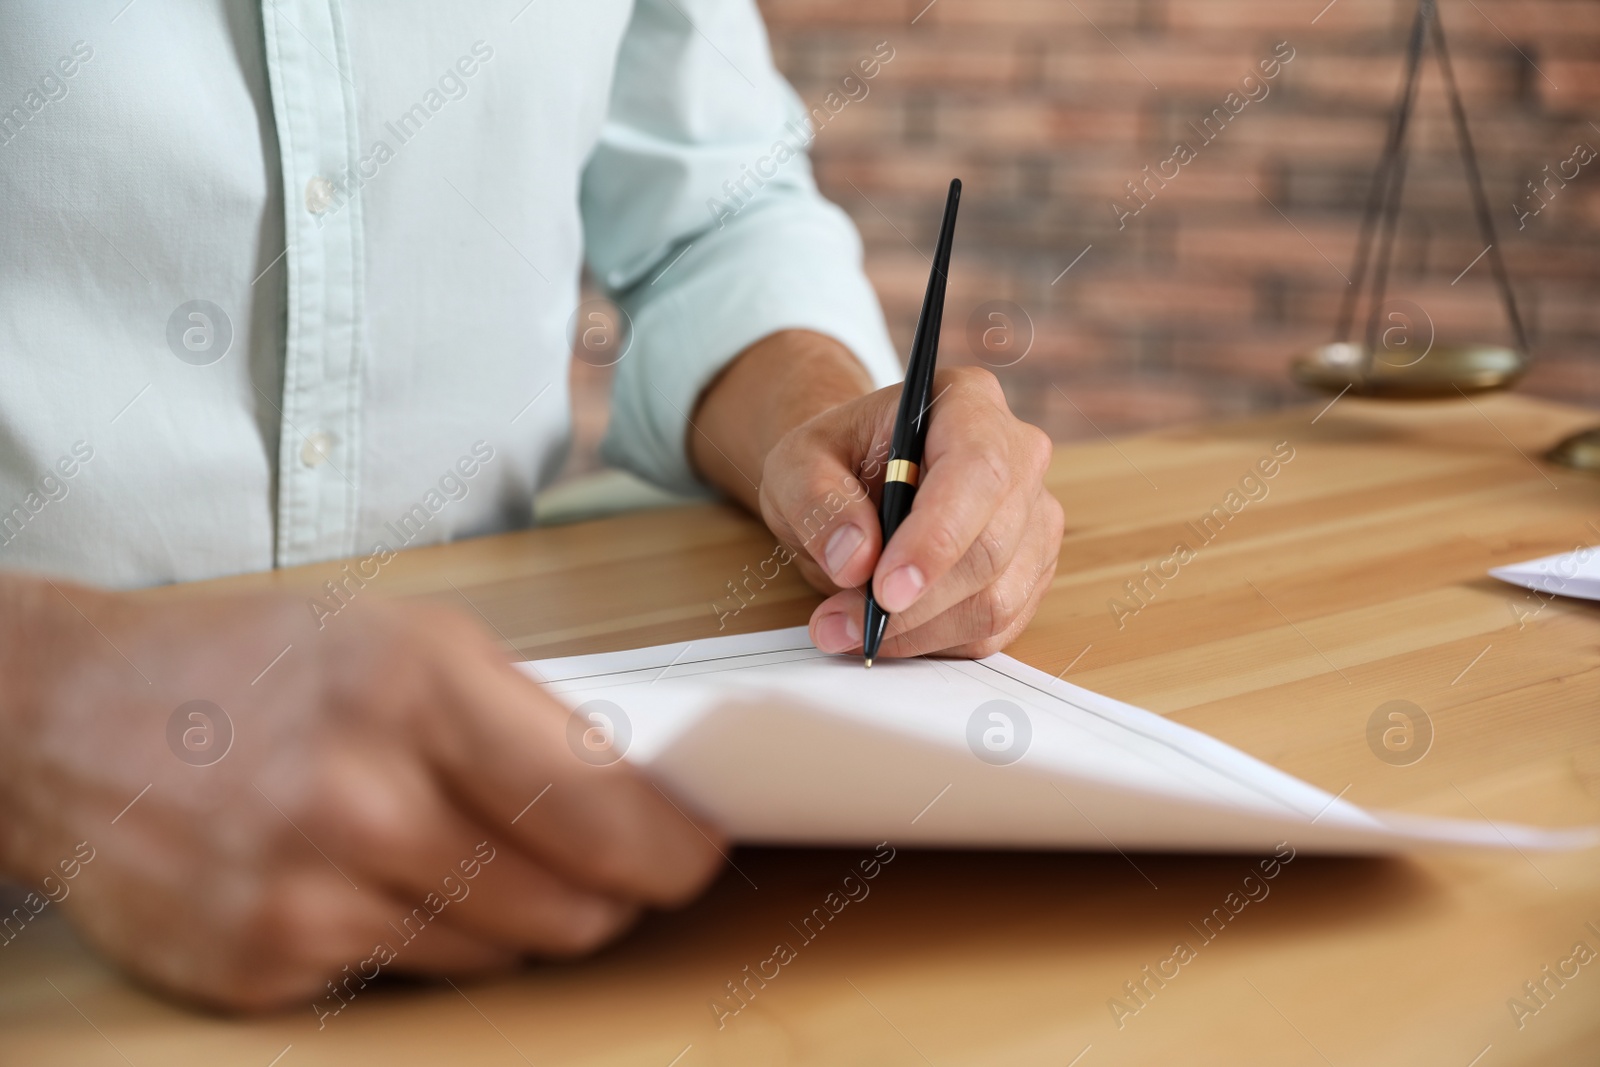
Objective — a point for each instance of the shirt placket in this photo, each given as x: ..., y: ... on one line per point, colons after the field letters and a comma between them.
x: 314, y: 107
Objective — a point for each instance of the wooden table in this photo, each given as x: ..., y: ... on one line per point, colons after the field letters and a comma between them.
x: 1357, y: 580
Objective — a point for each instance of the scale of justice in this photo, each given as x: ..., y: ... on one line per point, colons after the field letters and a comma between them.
x: 1368, y: 367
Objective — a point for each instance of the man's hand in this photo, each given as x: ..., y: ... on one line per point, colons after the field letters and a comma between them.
x: 376, y: 792
x: 966, y: 571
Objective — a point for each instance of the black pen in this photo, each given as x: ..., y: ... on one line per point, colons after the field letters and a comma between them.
x: 911, y: 423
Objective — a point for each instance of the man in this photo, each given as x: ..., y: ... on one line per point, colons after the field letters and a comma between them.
x: 296, y: 281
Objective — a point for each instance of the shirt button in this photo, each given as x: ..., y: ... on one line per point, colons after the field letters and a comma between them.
x: 319, y: 195
x: 317, y: 447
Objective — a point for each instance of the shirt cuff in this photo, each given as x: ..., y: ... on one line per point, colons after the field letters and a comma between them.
x: 779, y: 265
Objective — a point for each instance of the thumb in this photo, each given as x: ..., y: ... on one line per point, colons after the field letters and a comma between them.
x: 823, y: 509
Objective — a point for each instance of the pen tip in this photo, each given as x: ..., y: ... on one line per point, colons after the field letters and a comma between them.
x: 869, y: 662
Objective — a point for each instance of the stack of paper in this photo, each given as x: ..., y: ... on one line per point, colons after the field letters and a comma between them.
x: 776, y: 742
x: 1575, y: 573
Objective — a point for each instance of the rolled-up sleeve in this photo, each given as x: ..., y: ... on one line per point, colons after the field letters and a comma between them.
x: 702, y: 221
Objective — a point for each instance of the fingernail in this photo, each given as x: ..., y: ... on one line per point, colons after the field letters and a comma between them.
x: 838, y: 632
x: 596, y: 919
x: 841, y: 546
x: 902, y: 588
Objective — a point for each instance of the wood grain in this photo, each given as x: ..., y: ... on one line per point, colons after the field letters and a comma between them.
x: 1358, y: 578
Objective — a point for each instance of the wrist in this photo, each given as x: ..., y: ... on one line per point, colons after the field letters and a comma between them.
x: 805, y: 375
x: 775, y: 385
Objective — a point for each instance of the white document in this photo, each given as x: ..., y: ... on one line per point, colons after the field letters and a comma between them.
x: 1574, y: 573
x: 778, y: 743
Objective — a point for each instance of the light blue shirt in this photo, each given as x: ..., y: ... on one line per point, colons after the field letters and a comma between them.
x: 295, y: 280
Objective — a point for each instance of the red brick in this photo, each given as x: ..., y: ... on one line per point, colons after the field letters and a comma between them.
x: 782, y: 15
x: 1193, y: 309
x: 1030, y: 16
x: 949, y: 62
x: 1291, y: 19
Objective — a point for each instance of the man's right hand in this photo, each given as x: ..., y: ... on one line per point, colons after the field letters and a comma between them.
x: 387, y: 752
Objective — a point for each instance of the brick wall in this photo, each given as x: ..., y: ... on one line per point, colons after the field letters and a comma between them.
x: 1191, y: 308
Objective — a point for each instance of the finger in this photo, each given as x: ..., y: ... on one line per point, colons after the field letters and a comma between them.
x: 986, y: 559
x: 517, y: 903
x: 818, y: 505
x: 408, y: 838
x: 836, y: 623
x: 397, y: 941
x: 988, y: 615
x: 977, y: 453
x: 298, y: 933
x: 276, y: 948
x: 435, y: 949
x: 993, y: 617
x: 501, y: 743
x: 310, y: 931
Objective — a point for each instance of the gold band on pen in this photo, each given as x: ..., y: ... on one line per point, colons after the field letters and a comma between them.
x: 902, y: 470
